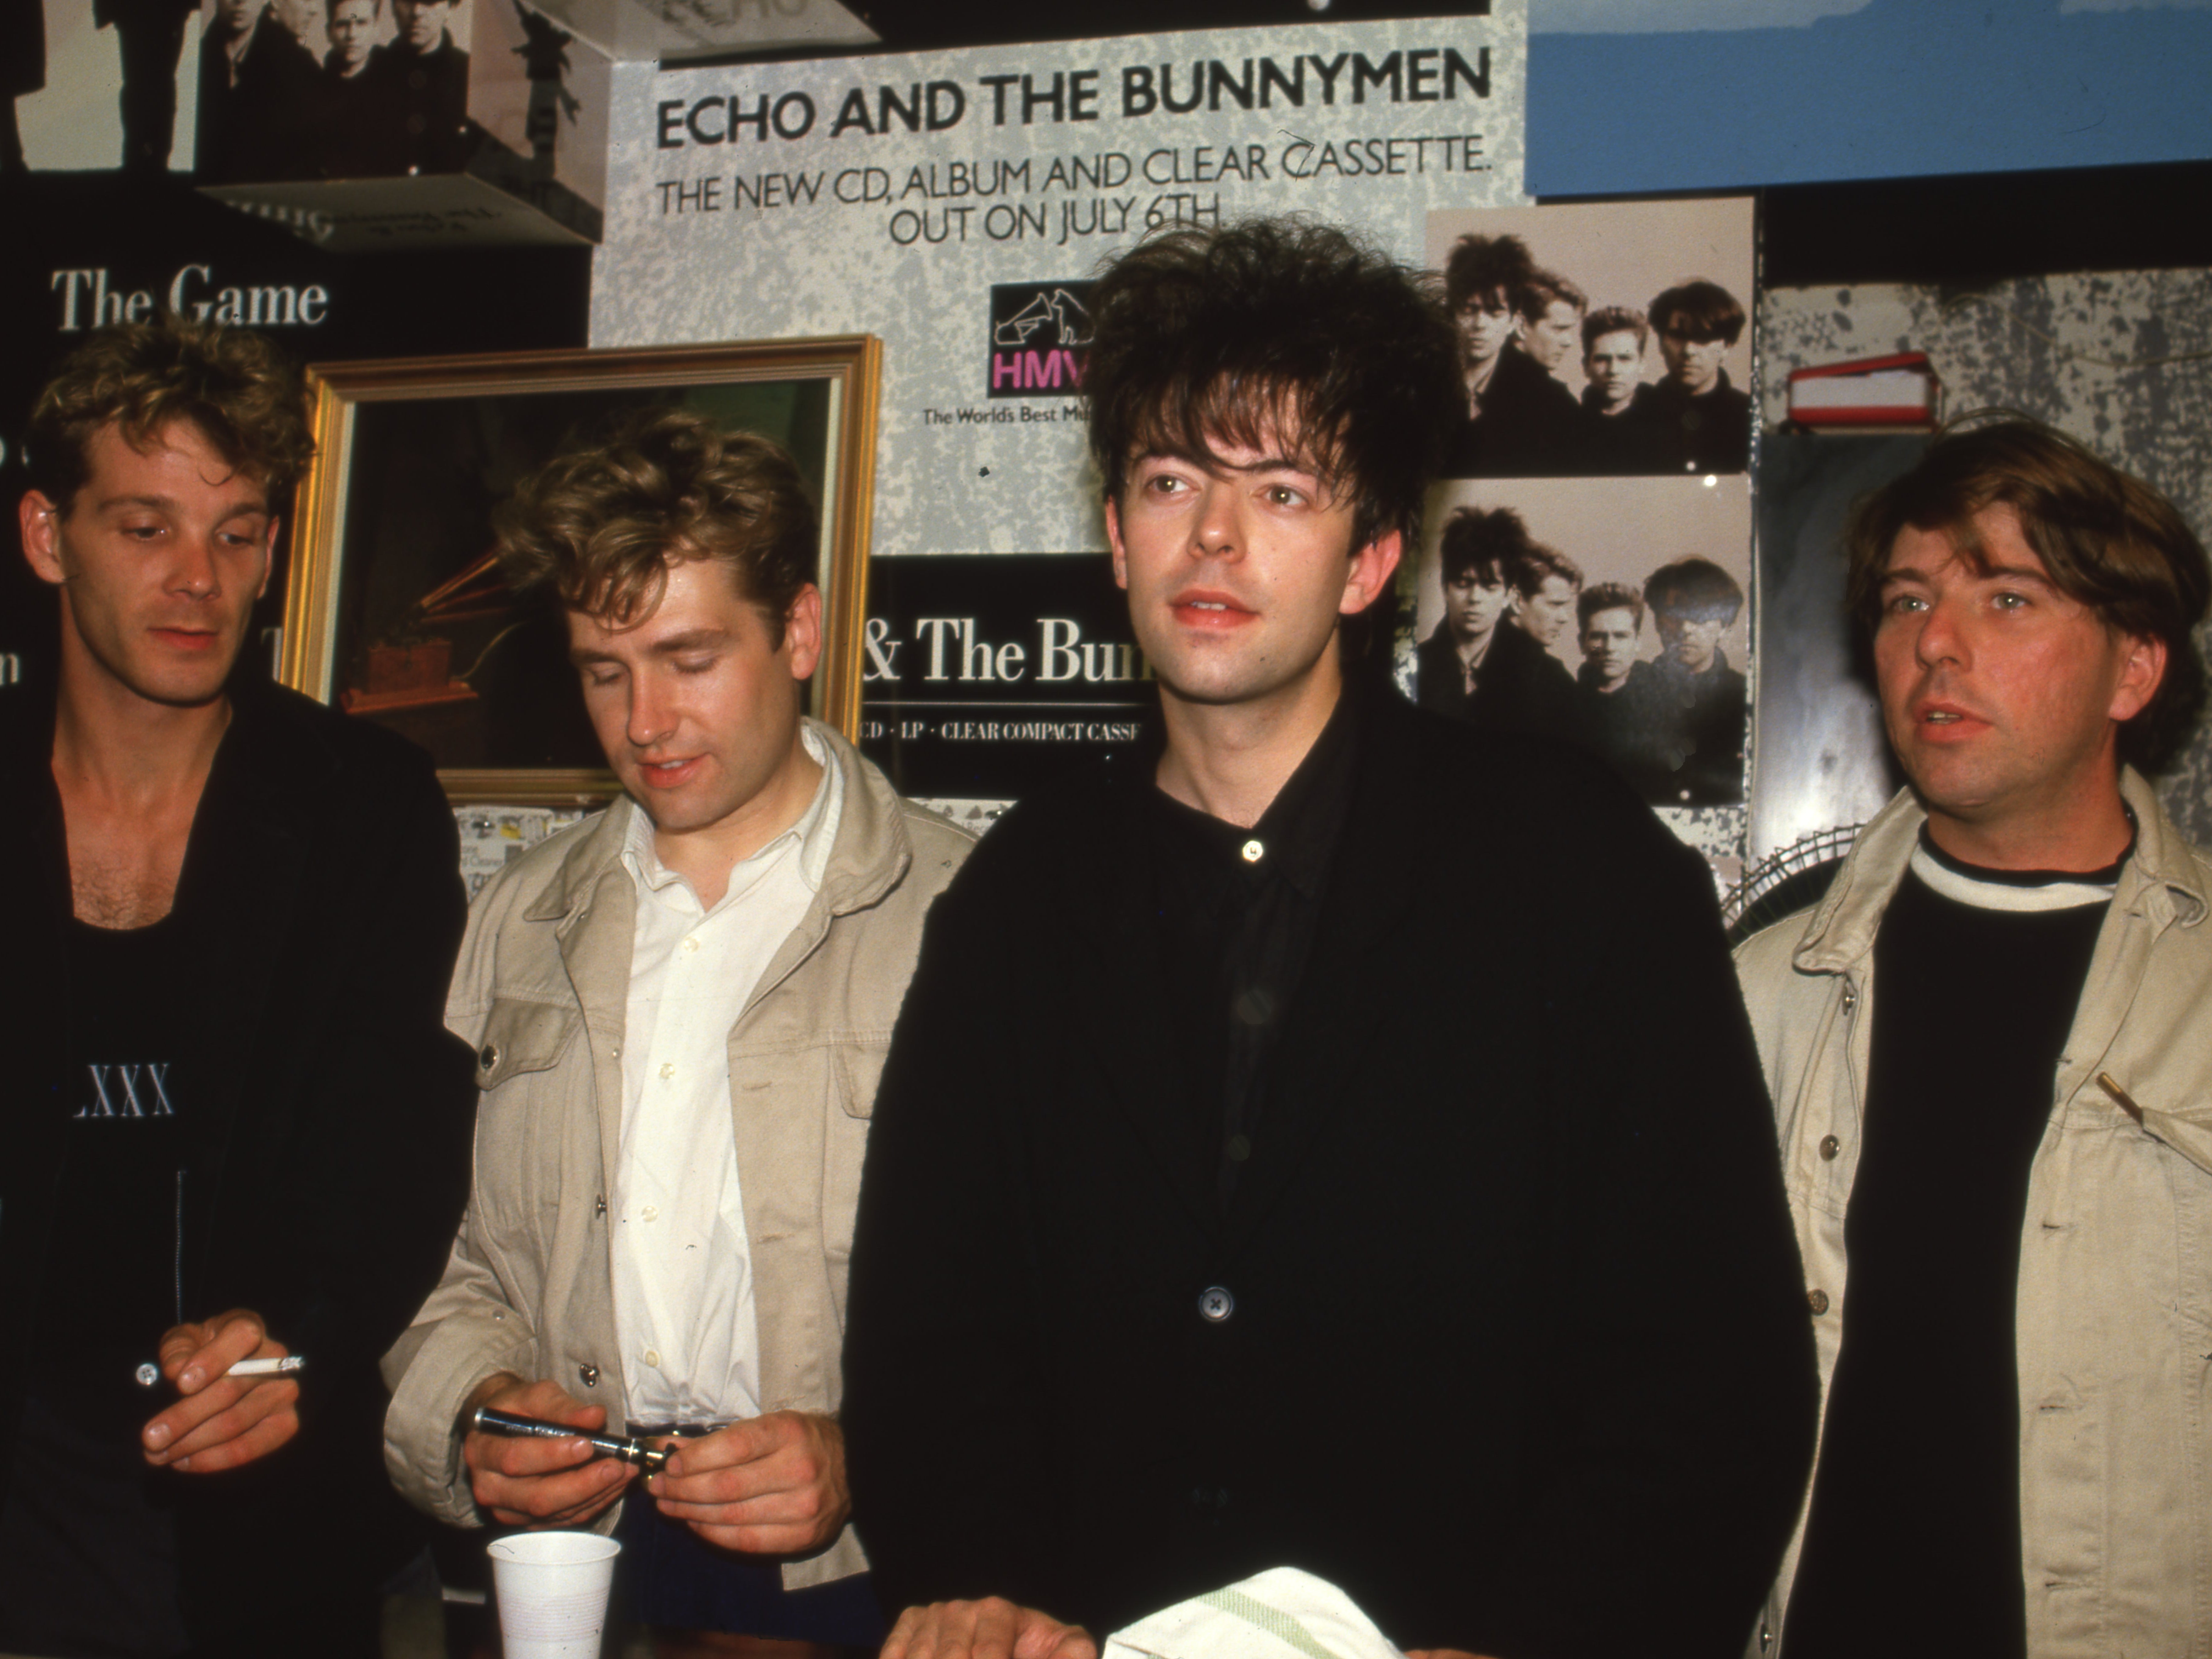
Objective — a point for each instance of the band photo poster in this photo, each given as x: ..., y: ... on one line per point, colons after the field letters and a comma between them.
x: 1586, y: 572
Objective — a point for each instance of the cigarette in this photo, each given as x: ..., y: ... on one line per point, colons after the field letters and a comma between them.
x: 651, y: 1459
x: 290, y: 1365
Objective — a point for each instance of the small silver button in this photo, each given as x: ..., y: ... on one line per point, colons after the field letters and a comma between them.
x: 600, y: 1207
x: 1215, y: 1304
x: 1851, y: 998
x: 1817, y: 1300
x: 1253, y: 851
x: 590, y: 1374
x: 487, y: 1056
x: 1829, y: 1147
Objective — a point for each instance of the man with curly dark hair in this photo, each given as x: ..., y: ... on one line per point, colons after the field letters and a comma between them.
x: 1517, y: 420
x: 663, y: 1206
x: 1270, y: 1169
x: 2001, y: 1165
x: 237, y: 1131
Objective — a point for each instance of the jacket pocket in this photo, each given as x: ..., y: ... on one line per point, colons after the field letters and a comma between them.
x: 856, y: 1069
x: 523, y: 1109
x: 523, y: 1037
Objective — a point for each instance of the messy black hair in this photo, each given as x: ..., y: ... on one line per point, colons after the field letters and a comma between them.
x: 1491, y: 541
x: 1277, y: 332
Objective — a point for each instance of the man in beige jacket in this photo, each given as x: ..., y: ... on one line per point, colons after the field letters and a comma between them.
x: 2001, y: 1165
x: 680, y: 1008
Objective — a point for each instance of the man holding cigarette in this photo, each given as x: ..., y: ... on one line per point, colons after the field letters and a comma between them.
x: 1987, y: 1057
x: 680, y: 1009
x: 238, y: 1132
x: 1254, y: 1182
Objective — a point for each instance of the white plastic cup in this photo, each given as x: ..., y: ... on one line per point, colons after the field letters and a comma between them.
x: 552, y: 1589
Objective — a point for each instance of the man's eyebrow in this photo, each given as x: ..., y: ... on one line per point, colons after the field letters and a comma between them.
x: 675, y: 645
x: 168, y: 504
x: 690, y: 639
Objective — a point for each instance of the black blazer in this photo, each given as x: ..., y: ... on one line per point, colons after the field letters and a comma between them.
x: 1531, y: 426
x: 331, y: 1193
x: 1515, y: 1346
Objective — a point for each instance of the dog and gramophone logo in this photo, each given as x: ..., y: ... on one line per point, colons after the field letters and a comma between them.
x: 1039, y: 338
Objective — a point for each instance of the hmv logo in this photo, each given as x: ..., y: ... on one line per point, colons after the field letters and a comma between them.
x: 127, y: 1092
x: 1039, y: 338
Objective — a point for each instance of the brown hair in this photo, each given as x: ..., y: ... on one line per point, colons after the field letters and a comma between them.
x: 1700, y: 311
x: 1277, y: 328
x: 1614, y: 319
x: 234, y: 388
x: 1609, y: 596
x: 2107, y: 540
x: 1545, y: 289
x: 600, y: 523
x: 1536, y: 564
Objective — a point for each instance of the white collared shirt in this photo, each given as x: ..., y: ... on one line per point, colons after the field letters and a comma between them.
x: 683, y: 1266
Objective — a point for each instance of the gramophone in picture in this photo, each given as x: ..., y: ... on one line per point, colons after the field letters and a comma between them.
x: 397, y: 611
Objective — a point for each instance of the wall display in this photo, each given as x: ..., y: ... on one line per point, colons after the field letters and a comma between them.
x: 1656, y: 683
x: 982, y: 678
x: 1824, y: 762
x: 957, y: 203
x: 1639, y: 398
x: 397, y: 612
x: 449, y: 122
x: 1719, y: 94
x: 906, y: 195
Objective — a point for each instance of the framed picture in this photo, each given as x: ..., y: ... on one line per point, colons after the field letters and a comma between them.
x: 396, y: 610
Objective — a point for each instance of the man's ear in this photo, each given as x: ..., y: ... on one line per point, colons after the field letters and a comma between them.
x: 1370, y: 573
x: 40, y: 522
x: 269, y: 556
x: 802, y: 632
x: 1114, y: 541
x: 2142, y: 670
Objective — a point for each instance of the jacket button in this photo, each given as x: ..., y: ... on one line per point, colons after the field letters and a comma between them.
x: 1817, y: 1300
x: 1829, y: 1147
x: 1851, y: 998
x: 600, y: 1207
x: 1215, y: 1304
x: 590, y: 1375
x: 487, y: 1056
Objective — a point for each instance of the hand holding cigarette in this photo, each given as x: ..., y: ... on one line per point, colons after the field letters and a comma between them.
x: 222, y: 1419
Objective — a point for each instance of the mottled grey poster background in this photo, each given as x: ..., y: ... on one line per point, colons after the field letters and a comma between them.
x: 669, y: 273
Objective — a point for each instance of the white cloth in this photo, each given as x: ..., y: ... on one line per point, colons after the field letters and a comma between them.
x: 683, y: 1265
x: 1285, y: 1613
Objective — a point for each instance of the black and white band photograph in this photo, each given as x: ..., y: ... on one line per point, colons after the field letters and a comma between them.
x: 1608, y: 614
x: 299, y: 89
x: 1598, y: 340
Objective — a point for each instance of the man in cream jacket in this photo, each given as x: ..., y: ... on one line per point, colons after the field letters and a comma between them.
x: 680, y: 1008
x: 1988, y: 1049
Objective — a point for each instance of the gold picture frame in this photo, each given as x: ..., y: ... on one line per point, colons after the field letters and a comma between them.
x: 390, y: 581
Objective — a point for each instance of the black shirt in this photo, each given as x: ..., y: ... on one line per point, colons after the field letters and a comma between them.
x: 1914, y: 1520
x: 1237, y: 909
x: 110, y: 1286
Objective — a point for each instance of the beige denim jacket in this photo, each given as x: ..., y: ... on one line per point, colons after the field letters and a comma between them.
x: 540, y: 992
x: 2114, y: 1308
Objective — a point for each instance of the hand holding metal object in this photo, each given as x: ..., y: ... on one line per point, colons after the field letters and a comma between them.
x: 628, y: 1448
